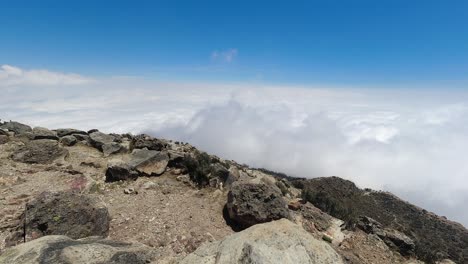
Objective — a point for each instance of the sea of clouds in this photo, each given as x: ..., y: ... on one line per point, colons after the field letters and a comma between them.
x: 412, y: 142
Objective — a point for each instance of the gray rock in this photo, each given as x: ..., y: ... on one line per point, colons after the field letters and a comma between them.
x: 68, y: 140
x: 145, y: 141
x: 149, y: 162
x: 61, y: 132
x: 44, y: 133
x: 39, y: 151
x: 120, y: 172
x: 111, y: 148
x: 81, y: 137
x: 253, y: 203
x: 16, y: 127
x: 281, y: 242
x: 98, y: 139
x: 64, y: 250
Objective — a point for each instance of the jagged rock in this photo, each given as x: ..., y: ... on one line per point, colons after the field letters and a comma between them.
x: 98, y: 139
x: 44, y: 133
x: 16, y: 127
x: 64, y: 250
x: 68, y: 140
x: 275, y: 242
x: 394, y: 239
x: 111, y: 148
x: 252, y: 203
x: 61, y: 132
x: 39, y: 151
x: 121, y: 172
x: 145, y: 141
x: 149, y: 162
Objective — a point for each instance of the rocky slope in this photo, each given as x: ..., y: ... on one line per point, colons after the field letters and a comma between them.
x: 71, y: 196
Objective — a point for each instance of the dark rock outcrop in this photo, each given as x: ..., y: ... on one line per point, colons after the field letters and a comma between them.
x: 253, y: 203
x: 145, y: 141
x: 65, y: 213
x: 435, y: 237
x: 122, y: 172
x: 64, y: 250
x: 41, y: 151
x: 16, y: 127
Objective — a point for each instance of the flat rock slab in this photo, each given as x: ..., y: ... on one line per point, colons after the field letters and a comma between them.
x: 61, y: 132
x: 64, y: 213
x: 44, y: 133
x: 41, y: 151
x: 149, y: 162
x: 64, y: 250
x: 281, y: 242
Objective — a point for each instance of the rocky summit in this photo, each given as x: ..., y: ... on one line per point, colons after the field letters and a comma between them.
x: 74, y: 196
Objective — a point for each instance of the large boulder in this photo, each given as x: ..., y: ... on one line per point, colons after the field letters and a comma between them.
x: 281, y: 242
x: 64, y: 213
x: 16, y: 127
x: 64, y: 250
x: 252, y: 203
x: 149, y: 162
x: 44, y: 133
x: 145, y: 141
x: 41, y: 151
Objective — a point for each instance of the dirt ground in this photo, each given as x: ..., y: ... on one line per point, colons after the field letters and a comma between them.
x: 162, y: 212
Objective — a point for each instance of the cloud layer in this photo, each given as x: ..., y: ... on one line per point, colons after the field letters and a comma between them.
x: 409, y: 142
x: 13, y: 76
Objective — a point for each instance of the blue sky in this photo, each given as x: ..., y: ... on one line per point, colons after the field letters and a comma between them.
x: 355, y: 43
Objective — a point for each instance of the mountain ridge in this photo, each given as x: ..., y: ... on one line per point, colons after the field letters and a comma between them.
x: 332, y: 209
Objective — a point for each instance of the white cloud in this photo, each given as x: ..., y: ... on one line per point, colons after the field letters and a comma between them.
x: 410, y: 142
x: 224, y: 56
x: 13, y: 76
